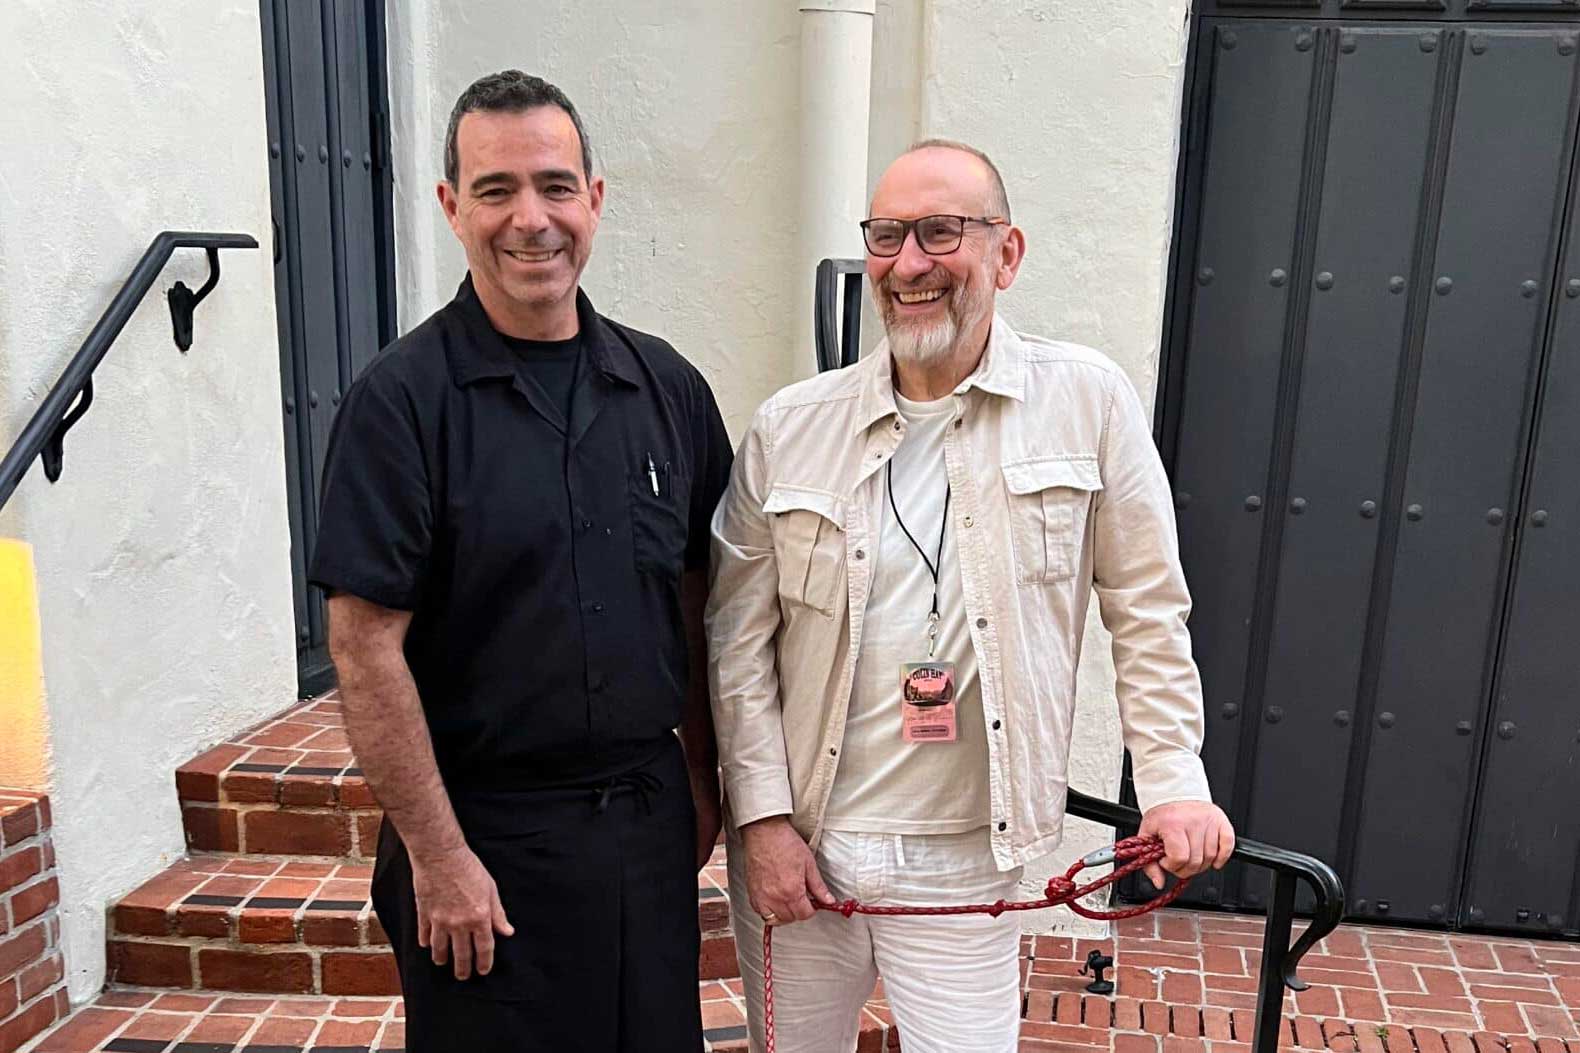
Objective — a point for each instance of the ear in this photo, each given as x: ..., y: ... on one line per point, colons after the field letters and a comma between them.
x: 595, y: 191
x: 1011, y: 251
x: 450, y: 204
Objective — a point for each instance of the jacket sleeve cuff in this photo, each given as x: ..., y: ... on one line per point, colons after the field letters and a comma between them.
x: 1168, y: 779
x: 758, y: 796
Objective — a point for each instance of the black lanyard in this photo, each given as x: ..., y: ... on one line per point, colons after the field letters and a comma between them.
x: 932, y: 566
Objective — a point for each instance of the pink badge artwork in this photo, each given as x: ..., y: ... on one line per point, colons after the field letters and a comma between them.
x: 927, y: 694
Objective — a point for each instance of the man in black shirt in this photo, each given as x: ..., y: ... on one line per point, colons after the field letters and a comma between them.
x: 514, y: 536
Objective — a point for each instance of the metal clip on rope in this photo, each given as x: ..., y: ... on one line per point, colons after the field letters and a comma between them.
x: 1128, y: 856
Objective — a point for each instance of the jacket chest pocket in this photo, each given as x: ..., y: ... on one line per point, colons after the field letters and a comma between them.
x: 1049, y: 500
x: 658, y: 522
x: 809, y: 545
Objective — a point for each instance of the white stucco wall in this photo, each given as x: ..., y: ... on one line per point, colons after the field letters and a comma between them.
x: 162, y: 554
x: 1078, y: 104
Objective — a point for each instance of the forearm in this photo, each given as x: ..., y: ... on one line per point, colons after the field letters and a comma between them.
x: 389, y: 736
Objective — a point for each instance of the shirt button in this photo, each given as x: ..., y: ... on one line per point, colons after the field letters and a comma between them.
x: 861, y: 553
x: 1002, y: 827
x: 997, y: 725
x: 896, y: 424
x: 981, y: 623
x: 968, y: 520
x: 832, y: 752
x: 586, y: 524
x: 597, y: 608
x: 959, y: 421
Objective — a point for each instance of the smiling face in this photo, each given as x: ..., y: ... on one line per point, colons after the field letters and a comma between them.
x: 526, y: 216
x: 932, y: 306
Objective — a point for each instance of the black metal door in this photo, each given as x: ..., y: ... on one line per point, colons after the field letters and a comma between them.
x: 1369, y: 239
x: 330, y: 184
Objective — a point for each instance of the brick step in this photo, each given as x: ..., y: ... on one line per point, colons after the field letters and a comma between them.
x: 287, y: 787
x: 290, y: 926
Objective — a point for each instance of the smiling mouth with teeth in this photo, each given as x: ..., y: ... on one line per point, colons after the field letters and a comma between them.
x: 532, y: 257
x: 921, y: 296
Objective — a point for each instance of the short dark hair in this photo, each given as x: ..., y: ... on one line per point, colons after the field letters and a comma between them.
x: 509, y: 91
x: 998, y: 200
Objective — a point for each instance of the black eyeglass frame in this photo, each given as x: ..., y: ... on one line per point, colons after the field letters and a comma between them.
x: 908, y: 227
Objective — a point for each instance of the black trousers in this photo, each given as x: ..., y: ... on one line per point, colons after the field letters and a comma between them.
x: 600, y: 885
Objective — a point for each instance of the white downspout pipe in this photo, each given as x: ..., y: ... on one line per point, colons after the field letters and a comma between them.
x: 836, y: 93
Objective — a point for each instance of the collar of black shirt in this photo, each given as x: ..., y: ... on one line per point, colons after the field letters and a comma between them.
x: 485, y: 354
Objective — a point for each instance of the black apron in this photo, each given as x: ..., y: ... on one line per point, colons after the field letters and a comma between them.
x: 600, y: 885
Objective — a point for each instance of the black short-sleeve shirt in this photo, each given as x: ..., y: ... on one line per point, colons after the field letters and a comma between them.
x: 541, y: 558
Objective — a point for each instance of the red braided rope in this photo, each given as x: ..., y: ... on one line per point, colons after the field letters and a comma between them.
x: 1129, y: 856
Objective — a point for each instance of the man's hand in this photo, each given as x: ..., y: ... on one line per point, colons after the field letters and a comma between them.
x: 710, y: 817
x: 781, y: 874
x: 458, y: 912
x: 1196, y: 835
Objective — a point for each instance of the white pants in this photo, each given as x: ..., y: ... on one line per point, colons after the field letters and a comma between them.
x: 953, y: 982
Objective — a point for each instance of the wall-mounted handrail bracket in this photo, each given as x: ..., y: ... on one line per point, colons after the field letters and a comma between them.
x: 53, y: 453
x: 183, y: 301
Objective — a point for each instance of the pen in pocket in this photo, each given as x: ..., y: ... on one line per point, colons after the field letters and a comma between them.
x: 652, y: 474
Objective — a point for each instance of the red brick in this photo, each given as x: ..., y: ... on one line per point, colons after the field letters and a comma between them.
x: 283, y: 1031
x: 1067, y: 1008
x: 20, y: 866
x: 1399, y: 1040
x: 1432, y: 1018
x: 1155, y: 1017
x: 1360, y: 1004
x: 1428, y: 1040
x: 246, y: 787
x: 20, y: 824
x: 40, y: 977
x: 365, y: 973
x: 1097, y: 1011
x: 46, y: 818
x: 1185, y: 1021
x: 1543, y: 996
x: 297, y: 833
x: 1368, y: 1039
x: 1458, y: 1042
x: 1135, y: 1044
x: 1516, y: 958
x: 1502, y: 1017
x: 28, y: 1023
x: 1443, y: 981
x: 1176, y: 1044
x: 1070, y: 1037
x: 265, y: 926
x: 314, y: 791
x: 87, y: 1029
x: 9, y: 998
x: 34, y: 900
x: 346, y: 1034
x: 198, y: 920
x: 22, y: 948
x: 716, y: 960
x: 1216, y: 1024
x: 1181, y: 988
x: 150, y: 964
x: 1136, y: 983
x: 210, y: 829
x: 368, y: 824
x: 1039, y: 1006
x: 1550, y: 1020
x: 255, y: 972
x: 1127, y: 1014
x: 1317, y: 1001
x: 1472, y: 953
x: 330, y: 929
x: 1308, y: 1033
x: 1441, y: 1003
x: 1227, y: 960
x: 223, y: 1031
x: 198, y: 779
x: 1487, y: 1042
x: 356, y: 793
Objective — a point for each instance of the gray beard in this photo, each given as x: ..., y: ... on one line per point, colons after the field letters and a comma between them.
x: 924, y: 345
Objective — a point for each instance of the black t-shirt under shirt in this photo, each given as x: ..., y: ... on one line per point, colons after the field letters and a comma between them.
x: 550, y: 364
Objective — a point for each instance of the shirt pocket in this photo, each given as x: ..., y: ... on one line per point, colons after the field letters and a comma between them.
x: 659, y: 521
x: 809, y: 545
x: 1049, y: 500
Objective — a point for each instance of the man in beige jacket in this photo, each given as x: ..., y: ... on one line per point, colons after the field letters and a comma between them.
x: 902, y: 563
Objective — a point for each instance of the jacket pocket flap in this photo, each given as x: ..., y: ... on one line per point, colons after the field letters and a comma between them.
x: 785, y: 498
x: 1079, y: 472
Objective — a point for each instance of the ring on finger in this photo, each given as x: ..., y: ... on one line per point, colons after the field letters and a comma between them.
x: 771, y: 918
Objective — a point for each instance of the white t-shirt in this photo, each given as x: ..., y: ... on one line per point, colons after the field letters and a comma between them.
x: 884, y: 784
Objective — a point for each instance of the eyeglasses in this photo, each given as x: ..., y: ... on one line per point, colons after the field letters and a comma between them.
x: 935, y: 235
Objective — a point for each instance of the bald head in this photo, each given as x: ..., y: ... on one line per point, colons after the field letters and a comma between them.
x: 945, y: 167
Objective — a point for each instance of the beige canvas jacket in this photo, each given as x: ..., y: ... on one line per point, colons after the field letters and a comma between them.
x: 1057, y: 489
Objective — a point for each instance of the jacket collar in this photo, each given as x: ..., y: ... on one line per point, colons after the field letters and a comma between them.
x: 1001, y: 372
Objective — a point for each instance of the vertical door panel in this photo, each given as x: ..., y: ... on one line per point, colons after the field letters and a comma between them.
x: 1504, y: 181
x: 1377, y: 144
x: 1256, y: 139
x: 1524, y: 870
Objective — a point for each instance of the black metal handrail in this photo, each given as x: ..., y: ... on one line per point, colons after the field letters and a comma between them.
x: 1279, y: 959
x: 45, y: 433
